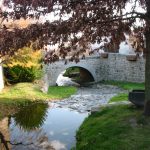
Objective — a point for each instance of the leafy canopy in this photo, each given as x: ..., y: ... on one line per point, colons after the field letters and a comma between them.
x: 80, y: 22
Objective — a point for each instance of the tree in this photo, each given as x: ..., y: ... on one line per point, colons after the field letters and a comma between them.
x: 87, y: 20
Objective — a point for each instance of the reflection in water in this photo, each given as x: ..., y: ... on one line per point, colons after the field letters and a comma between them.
x: 26, y: 119
x: 38, y: 126
x: 32, y: 116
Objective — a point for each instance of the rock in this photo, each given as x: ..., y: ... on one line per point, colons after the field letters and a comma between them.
x: 89, y: 98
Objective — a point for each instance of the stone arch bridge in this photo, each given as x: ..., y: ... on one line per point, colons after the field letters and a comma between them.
x: 115, y: 67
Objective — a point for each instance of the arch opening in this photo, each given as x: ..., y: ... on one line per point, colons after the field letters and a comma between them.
x: 76, y: 76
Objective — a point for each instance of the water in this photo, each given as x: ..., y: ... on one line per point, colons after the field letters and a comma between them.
x: 42, y: 127
x: 49, y: 126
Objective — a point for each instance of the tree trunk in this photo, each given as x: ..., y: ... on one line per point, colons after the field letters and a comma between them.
x: 147, y: 76
x: 147, y: 65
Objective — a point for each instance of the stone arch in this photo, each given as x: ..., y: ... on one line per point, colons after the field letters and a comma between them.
x: 84, y: 66
x: 85, y: 74
x: 52, y: 71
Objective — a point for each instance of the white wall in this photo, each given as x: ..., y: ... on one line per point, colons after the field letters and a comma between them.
x: 1, y: 78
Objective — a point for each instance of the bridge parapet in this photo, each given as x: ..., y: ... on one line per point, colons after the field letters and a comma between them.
x: 115, y: 67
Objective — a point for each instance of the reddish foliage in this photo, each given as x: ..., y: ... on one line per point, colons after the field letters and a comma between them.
x: 95, y: 19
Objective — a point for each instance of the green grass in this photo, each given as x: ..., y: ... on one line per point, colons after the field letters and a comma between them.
x: 126, y: 85
x: 23, y: 92
x: 60, y: 92
x: 129, y: 86
x: 119, y: 97
x: 115, y: 128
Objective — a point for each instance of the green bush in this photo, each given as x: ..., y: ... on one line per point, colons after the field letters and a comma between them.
x: 19, y: 73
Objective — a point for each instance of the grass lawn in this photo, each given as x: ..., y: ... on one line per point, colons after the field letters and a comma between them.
x: 115, y: 128
x: 23, y: 92
x: 129, y: 86
x: 120, y: 97
x: 126, y: 85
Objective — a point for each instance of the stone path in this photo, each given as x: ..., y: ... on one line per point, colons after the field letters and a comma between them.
x: 89, y: 97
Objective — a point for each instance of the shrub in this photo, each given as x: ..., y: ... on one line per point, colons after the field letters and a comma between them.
x: 19, y: 73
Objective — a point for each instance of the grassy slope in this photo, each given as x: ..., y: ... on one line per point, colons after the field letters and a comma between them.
x: 129, y: 86
x: 22, y: 92
x: 115, y: 128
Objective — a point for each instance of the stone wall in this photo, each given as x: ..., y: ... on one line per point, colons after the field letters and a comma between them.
x: 119, y: 68
x: 115, y: 67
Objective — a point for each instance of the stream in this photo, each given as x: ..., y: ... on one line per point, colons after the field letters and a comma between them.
x: 53, y: 125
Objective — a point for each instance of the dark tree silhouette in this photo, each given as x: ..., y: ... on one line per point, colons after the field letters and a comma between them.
x: 95, y: 20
